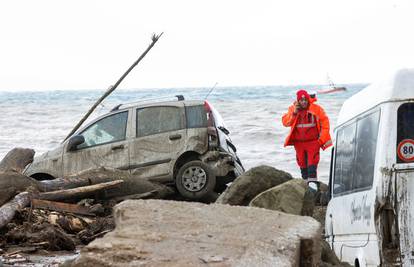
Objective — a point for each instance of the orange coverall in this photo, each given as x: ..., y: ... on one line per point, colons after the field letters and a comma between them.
x: 309, y: 131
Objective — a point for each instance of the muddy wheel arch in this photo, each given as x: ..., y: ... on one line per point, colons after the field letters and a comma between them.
x: 183, y: 159
x: 42, y: 176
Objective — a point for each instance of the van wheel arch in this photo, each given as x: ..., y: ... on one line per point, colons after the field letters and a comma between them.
x: 42, y: 176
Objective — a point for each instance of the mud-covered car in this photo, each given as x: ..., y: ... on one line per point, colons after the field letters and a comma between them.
x: 181, y: 142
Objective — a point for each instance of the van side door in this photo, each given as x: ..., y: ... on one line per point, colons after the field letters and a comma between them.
x: 106, y: 145
x: 160, y: 133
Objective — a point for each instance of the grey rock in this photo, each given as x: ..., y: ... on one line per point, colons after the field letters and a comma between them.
x: 287, y: 197
x: 252, y: 183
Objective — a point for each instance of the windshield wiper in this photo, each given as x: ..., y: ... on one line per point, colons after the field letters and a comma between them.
x: 224, y: 130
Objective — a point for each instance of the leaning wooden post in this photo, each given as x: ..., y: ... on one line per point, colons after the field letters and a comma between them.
x: 112, y: 88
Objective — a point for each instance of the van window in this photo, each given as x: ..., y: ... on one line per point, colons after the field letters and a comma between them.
x: 367, y: 132
x: 154, y: 120
x: 196, y: 116
x: 355, y: 154
x: 405, y: 128
x: 344, y: 159
x: 107, y: 130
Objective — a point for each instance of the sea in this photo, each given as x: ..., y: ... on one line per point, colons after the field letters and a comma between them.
x: 42, y: 119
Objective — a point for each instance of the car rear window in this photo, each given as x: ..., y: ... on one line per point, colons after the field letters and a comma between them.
x: 154, y: 120
x: 196, y: 116
x: 405, y: 133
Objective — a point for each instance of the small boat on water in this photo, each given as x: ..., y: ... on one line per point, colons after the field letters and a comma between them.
x: 332, y: 88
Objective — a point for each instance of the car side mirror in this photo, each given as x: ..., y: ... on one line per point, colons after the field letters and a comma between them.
x: 74, y: 141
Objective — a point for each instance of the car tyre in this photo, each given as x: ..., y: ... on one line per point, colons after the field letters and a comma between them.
x: 195, y: 180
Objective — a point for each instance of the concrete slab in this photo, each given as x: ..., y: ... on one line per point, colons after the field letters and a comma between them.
x: 172, y: 233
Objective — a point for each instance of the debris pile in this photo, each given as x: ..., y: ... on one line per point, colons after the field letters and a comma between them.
x: 61, y: 214
x: 68, y: 213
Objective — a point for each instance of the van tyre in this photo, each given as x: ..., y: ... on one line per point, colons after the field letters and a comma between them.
x: 195, y: 180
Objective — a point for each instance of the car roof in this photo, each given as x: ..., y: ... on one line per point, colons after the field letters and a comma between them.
x: 156, y: 102
x: 399, y: 86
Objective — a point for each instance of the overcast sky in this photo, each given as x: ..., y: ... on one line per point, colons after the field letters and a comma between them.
x: 48, y: 45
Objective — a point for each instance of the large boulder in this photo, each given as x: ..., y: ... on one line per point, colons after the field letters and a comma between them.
x: 287, y: 197
x: 248, y: 185
x: 172, y: 233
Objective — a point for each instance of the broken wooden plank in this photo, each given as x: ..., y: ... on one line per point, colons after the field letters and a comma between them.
x: 79, y: 192
x: 61, y: 206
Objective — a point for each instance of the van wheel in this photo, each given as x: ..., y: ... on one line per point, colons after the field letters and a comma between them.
x: 195, y: 180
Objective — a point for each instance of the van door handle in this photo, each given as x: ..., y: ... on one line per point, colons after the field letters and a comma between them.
x: 175, y: 136
x: 118, y: 147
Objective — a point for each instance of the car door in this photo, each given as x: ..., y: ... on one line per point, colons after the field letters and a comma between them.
x: 160, y: 135
x: 106, y: 145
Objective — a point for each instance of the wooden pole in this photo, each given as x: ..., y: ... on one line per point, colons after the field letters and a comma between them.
x: 112, y: 88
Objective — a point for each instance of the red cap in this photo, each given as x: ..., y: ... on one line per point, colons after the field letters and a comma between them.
x: 302, y: 93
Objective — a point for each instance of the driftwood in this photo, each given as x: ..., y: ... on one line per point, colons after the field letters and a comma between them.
x: 79, y: 192
x: 11, y: 183
x: 131, y: 185
x: 8, y: 210
x: 6, y: 194
x: 61, y: 207
x: 17, y: 159
x: 103, y: 183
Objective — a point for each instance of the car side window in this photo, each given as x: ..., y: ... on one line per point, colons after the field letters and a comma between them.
x: 154, y: 120
x: 107, y: 130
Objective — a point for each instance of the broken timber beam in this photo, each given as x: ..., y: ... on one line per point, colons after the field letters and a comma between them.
x: 79, y: 192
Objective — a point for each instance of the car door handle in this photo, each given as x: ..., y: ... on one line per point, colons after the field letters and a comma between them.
x: 118, y: 147
x: 175, y: 136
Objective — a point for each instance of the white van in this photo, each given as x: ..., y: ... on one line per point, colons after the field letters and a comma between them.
x: 370, y: 217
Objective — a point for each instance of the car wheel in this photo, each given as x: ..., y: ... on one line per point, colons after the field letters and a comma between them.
x: 195, y: 180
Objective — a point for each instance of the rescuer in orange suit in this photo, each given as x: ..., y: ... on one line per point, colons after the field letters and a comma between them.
x: 309, y: 131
